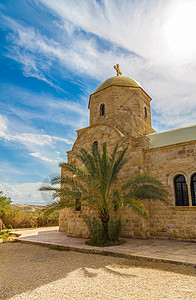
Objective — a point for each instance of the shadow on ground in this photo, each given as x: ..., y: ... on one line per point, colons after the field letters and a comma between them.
x: 25, y: 267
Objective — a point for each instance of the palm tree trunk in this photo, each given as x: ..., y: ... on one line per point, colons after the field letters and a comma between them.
x: 105, y: 231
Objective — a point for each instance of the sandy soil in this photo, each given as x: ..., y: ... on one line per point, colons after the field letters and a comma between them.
x: 35, y: 272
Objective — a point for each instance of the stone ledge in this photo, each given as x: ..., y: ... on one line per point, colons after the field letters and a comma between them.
x: 107, y: 252
x: 184, y: 208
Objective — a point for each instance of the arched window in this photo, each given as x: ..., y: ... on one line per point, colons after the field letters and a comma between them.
x: 181, y: 191
x: 193, y: 189
x: 145, y: 112
x: 102, y: 109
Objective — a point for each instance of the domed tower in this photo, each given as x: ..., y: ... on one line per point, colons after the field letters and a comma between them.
x: 119, y: 113
x: 123, y: 103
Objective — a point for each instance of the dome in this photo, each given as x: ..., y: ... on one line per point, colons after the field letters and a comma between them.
x: 117, y: 80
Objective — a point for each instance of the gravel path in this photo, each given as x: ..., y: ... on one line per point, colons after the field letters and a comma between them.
x: 35, y: 272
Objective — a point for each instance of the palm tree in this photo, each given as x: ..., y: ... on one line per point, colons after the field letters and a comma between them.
x: 95, y: 185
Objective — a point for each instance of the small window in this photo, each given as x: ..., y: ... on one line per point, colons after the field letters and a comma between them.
x: 145, y: 112
x: 95, y: 144
x: 102, y: 109
x: 78, y: 205
x: 95, y: 147
x: 193, y: 189
x: 181, y: 191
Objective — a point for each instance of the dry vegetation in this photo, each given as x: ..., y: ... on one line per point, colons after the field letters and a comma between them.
x: 28, y: 216
x: 23, y: 215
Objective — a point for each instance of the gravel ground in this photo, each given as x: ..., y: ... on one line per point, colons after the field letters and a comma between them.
x: 35, y: 272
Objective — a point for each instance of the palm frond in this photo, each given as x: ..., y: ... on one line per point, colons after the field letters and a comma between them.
x: 57, y: 205
x: 136, y: 206
x: 117, y: 166
x: 148, y: 191
x: 141, y: 179
x: 116, y: 199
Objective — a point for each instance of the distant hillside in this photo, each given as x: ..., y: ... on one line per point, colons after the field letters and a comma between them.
x: 27, y: 207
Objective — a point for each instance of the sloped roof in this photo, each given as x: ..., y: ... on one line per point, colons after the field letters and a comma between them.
x: 172, y: 136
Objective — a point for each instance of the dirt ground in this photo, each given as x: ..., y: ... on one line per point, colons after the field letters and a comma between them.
x: 35, y: 272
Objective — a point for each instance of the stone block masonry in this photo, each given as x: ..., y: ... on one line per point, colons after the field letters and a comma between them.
x: 127, y: 121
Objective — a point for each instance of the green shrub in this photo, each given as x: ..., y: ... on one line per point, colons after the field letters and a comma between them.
x: 115, y: 228
x: 95, y: 228
x: 4, y: 231
x: 5, y: 203
x: 5, y: 237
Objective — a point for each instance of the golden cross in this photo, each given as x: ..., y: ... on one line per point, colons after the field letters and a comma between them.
x: 117, y: 70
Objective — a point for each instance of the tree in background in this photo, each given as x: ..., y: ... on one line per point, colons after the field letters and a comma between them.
x: 5, y: 203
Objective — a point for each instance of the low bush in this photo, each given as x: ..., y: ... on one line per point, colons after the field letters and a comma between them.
x: 115, y: 228
x: 14, y: 218
x: 7, y: 236
x: 4, y: 235
x: 95, y: 228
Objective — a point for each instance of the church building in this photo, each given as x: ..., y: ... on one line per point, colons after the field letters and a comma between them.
x: 120, y: 113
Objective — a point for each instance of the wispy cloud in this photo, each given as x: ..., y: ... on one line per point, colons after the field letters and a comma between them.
x: 3, y: 125
x: 28, y: 138
x: 42, y: 157
x: 77, y: 52
x: 41, y: 146
x: 35, y: 139
x: 25, y: 193
x: 75, y: 47
x: 136, y: 37
x: 43, y: 107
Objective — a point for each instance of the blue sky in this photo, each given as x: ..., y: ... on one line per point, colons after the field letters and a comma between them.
x: 54, y: 53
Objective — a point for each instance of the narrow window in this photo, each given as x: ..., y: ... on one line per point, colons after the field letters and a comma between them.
x: 95, y: 144
x: 181, y: 191
x: 95, y: 147
x: 78, y: 205
x: 102, y: 109
x: 193, y: 189
x: 145, y: 112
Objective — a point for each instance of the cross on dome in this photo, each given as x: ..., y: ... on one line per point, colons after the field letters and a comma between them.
x: 117, y: 70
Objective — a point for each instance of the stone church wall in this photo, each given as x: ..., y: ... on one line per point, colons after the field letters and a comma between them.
x: 170, y: 221
x: 165, y: 221
x: 127, y: 121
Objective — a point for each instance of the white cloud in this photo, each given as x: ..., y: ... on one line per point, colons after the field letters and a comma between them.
x: 36, y: 139
x: 42, y: 157
x: 25, y: 193
x: 41, y: 146
x: 44, y: 107
x: 137, y: 36
x: 3, y: 125
x: 139, y: 28
x: 28, y: 139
